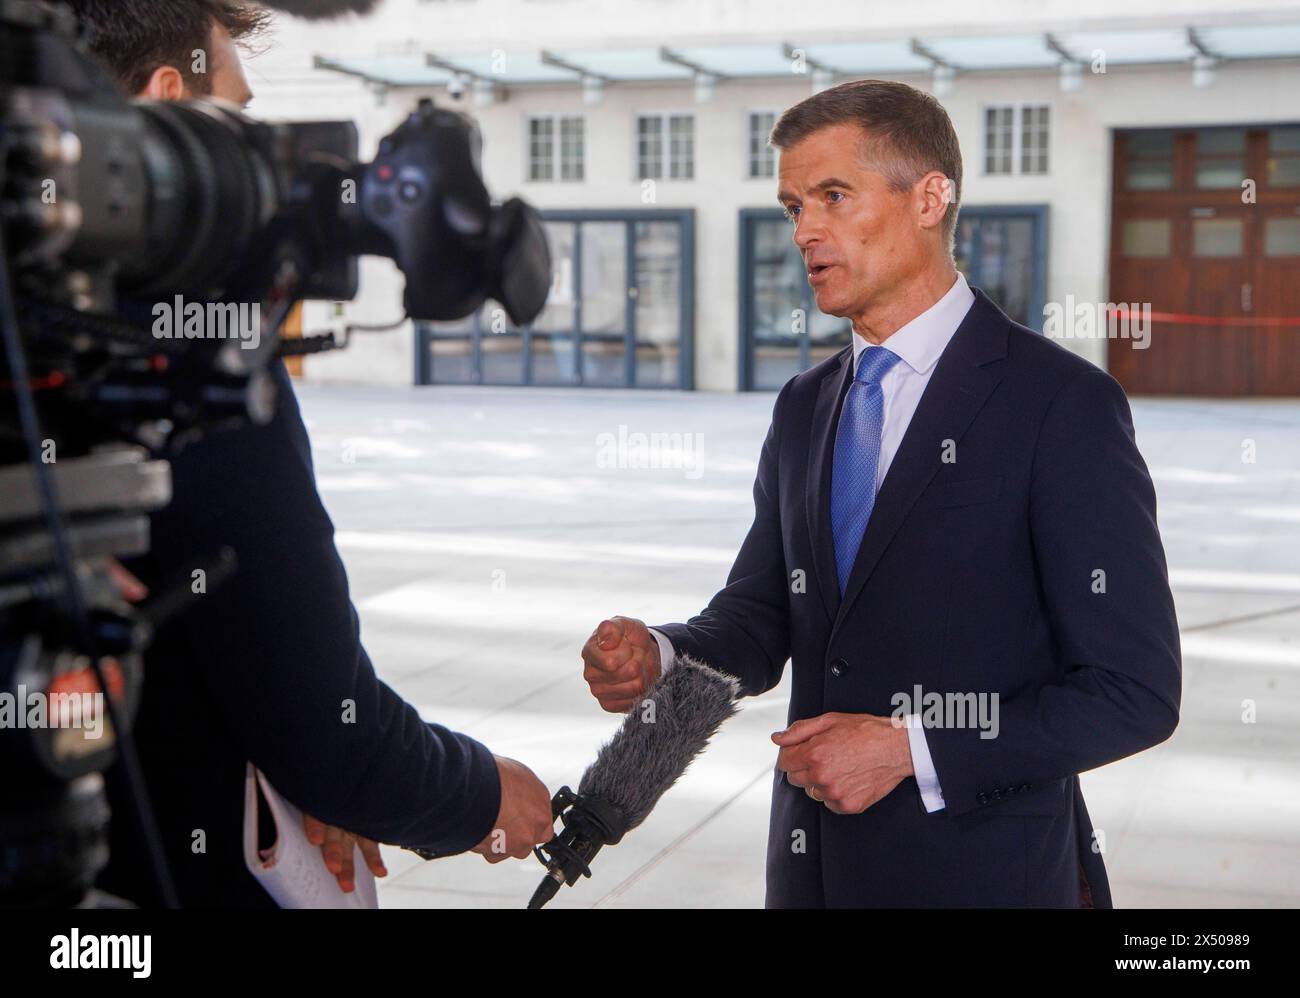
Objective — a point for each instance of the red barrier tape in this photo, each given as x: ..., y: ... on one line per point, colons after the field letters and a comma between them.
x: 1208, y: 320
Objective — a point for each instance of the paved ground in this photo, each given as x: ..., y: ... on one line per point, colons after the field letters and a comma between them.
x: 486, y: 531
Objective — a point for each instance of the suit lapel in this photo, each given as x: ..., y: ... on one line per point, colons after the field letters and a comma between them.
x: 963, y: 378
x: 818, y: 502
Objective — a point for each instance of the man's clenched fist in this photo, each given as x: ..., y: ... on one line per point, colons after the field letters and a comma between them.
x: 620, y: 663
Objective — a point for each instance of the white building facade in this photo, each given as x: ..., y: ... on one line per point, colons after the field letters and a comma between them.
x: 1142, y: 150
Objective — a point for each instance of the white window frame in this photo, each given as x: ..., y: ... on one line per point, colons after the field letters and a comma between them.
x: 1017, y: 109
x: 666, y: 149
x: 749, y: 161
x: 557, y: 145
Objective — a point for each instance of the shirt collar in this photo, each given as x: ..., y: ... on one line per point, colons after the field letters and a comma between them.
x: 920, y: 341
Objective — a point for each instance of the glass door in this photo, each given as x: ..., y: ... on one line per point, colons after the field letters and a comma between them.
x: 619, y: 314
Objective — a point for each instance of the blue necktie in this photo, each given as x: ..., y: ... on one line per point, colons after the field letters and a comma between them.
x: 857, y: 456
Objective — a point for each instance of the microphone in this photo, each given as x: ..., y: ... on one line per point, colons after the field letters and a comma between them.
x: 649, y: 752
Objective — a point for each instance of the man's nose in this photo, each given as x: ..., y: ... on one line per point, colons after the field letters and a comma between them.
x: 807, y: 231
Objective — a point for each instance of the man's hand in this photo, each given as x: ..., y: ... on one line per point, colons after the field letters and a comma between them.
x: 524, y: 819
x: 620, y: 663
x: 845, y: 761
x: 128, y: 586
x: 336, y: 848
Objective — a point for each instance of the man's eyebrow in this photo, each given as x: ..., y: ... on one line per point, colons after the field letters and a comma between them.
x: 824, y: 185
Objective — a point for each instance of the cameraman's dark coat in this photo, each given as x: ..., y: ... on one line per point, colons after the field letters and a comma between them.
x: 976, y: 576
x: 269, y: 667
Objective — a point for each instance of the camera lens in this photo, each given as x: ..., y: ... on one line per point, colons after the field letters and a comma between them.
x: 209, y: 189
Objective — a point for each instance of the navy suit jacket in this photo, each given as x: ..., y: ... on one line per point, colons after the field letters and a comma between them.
x: 979, y: 574
x: 261, y: 668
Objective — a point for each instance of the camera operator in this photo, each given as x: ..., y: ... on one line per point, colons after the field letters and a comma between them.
x: 268, y: 667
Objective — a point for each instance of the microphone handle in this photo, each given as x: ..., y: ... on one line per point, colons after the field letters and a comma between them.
x: 547, y: 889
x: 571, y: 858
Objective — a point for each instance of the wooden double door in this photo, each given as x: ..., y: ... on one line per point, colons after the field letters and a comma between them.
x: 1206, y: 229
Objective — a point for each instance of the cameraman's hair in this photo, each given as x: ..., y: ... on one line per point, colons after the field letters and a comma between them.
x: 132, y: 38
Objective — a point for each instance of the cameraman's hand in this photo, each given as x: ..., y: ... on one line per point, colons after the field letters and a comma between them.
x: 336, y: 849
x: 128, y: 586
x: 524, y: 819
x: 621, y: 662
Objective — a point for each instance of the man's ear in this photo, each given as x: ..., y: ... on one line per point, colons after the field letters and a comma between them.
x: 165, y: 83
x: 935, y: 197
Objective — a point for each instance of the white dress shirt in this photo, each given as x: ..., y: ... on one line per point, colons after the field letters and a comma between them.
x: 919, y: 343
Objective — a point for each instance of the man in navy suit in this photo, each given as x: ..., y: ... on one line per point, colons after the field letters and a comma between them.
x: 955, y: 544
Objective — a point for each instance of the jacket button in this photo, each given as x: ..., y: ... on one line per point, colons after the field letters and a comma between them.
x: 839, y: 667
x: 982, y: 797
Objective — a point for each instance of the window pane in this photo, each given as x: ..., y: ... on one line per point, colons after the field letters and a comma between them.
x: 779, y: 279
x: 1284, y: 157
x: 762, y: 157
x: 1284, y: 171
x: 1033, y: 140
x: 1282, y: 237
x: 1146, y: 237
x: 558, y: 311
x: 1220, y: 158
x: 452, y: 362
x: 1219, y: 174
x: 604, y: 360
x: 681, y: 130
x: 452, y: 350
x: 658, y: 304
x: 778, y: 320
x: 827, y: 334
x: 1150, y: 175
x: 996, y: 253
x: 997, y: 140
x: 1006, y: 124
x: 555, y: 359
x: 503, y: 356
x: 775, y: 364
x: 1028, y: 137
x: 990, y: 140
x: 604, y: 277
x: 650, y: 147
x: 1150, y: 144
x: 571, y: 148
x: 604, y: 304
x: 1284, y: 139
x: 540, y: 149
x: 1216, y: 237
x: 1150, y: 161
x: 1219, y: 141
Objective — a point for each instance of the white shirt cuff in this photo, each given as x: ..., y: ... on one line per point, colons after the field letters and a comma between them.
x: 666, y: 650
x: 927, y: 780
